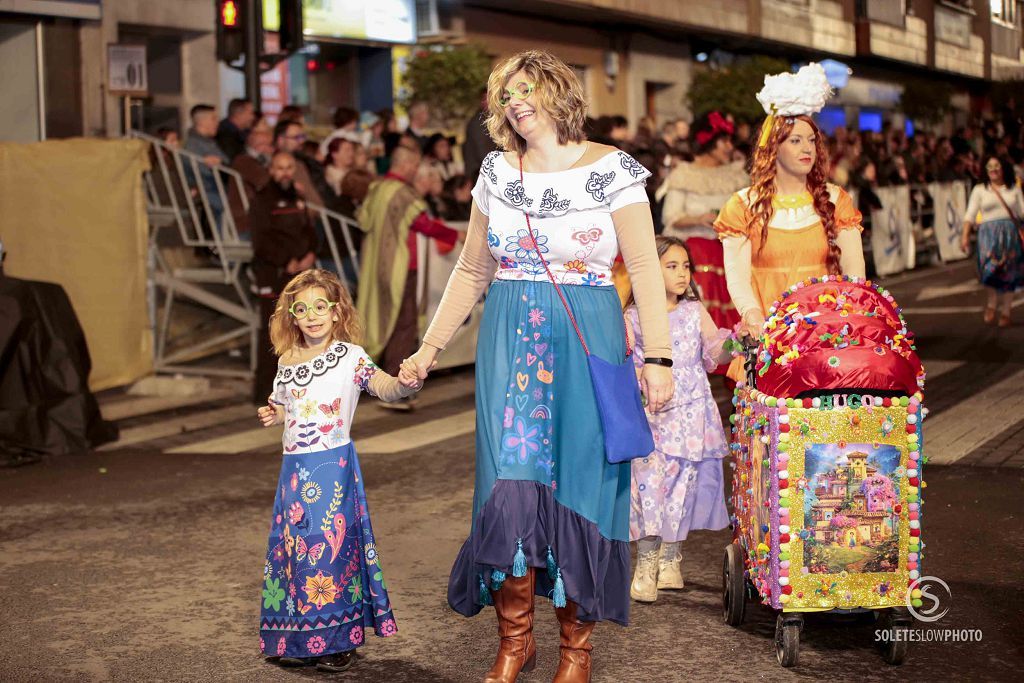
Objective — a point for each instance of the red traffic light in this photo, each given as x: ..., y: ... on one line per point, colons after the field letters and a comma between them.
x: 229, y: 13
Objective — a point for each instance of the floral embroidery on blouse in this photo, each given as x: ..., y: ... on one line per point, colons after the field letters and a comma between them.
x: 365, y: 369
x: 549, y: 202
x: 632, y: 165
x: 571, y: 217
x: 597, y: 183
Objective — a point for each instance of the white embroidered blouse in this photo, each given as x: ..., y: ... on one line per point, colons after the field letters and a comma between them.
x: 570, y: 213
x: 320, y: 396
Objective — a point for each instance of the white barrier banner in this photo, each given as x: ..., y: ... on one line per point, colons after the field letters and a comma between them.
x: 433, y: 273
x: 950, y: 201
x: 892, y: 237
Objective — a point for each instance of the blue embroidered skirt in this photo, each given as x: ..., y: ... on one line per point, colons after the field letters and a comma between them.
x: 322, y: 581
x: 1000, y: 258
x: 545, y: 496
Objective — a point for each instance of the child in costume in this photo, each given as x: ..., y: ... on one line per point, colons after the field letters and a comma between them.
x: 323, y: 581
x: 678, y: 487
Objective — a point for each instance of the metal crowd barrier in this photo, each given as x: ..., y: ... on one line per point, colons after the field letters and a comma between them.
x: 185, y: 212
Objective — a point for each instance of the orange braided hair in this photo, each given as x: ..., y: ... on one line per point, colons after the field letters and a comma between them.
x: 762, y: 186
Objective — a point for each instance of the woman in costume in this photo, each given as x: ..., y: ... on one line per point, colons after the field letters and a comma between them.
x: 1000, y: 258
x: 790, y: 224
x: 695, y: 191
x: 550, y: 514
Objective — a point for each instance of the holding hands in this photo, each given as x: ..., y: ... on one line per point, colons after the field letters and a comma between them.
x: 419, y: 365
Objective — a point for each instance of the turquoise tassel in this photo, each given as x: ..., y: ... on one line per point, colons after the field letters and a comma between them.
x: 552, y: 567
x: 485, y: 595
x: 497, y: 579
x: 558, y: 594
x: 519, y: 561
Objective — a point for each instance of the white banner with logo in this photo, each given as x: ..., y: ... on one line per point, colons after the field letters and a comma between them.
x: 950, y: 200
x: 434, y: 269
x: 892, y: 235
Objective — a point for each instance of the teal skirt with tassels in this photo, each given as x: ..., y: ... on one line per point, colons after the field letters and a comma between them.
x: 546, y: 498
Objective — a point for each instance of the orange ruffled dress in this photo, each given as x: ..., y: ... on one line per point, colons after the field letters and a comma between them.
x: 796, y: 247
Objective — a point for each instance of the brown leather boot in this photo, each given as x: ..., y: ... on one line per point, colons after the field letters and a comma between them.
x: 517, y: 651
x: 574, y: 659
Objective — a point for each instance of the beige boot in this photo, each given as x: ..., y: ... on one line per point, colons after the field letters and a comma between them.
x: 645, y: 577
x: 670, y: 574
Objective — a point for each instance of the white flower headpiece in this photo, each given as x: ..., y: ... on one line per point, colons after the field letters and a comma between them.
x: 788, y: 95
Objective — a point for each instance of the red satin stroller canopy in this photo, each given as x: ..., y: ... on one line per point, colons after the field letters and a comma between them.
x: 837, y: 334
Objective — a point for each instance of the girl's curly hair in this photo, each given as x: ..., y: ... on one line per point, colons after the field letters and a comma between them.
x: 284, y: 330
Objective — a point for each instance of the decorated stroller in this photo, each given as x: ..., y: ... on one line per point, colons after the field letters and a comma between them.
x: 827, y: 442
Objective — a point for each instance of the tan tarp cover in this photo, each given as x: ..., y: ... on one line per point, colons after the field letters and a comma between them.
x: 73, y: 212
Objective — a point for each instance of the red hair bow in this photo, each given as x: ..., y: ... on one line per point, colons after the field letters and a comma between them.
x: 718, y: 125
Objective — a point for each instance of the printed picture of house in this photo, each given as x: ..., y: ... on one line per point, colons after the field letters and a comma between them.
x: 850, y: 522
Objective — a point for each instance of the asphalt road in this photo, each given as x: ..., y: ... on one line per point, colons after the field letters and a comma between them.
x: 143, y: 564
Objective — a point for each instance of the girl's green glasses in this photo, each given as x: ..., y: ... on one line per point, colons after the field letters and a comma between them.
x: 300, y: 309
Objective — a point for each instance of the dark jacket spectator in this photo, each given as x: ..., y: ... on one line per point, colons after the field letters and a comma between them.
x: 252, y: 165
x: 284, y: 243
x: 233, y: 130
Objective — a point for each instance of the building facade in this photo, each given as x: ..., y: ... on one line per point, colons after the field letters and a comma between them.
x: 636, y: 58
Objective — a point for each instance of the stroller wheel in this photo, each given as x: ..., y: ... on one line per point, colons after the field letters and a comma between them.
x: 787, y: 638
x: 897, y: 624
x: 734, y: 589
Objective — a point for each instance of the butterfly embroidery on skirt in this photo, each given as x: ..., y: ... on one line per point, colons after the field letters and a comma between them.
x: 313, y: 554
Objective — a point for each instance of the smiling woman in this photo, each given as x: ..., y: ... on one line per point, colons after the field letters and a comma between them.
x: 550, y: 514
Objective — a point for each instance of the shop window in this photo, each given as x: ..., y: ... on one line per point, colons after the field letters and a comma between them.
x: 1005, y: 11
x: 885, y: 11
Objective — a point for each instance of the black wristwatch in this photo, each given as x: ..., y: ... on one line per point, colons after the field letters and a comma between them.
x: 655, y: 360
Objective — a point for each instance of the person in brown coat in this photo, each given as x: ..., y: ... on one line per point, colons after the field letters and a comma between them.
x: 252, y: 166
x: 284, y: 244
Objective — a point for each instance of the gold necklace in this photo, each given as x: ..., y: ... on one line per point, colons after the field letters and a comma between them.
x: 792, y: 201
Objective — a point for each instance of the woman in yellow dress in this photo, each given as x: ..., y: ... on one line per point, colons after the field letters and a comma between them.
x: 790, y: 224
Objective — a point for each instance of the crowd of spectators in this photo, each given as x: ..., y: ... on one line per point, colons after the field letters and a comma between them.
x: 336, y: 170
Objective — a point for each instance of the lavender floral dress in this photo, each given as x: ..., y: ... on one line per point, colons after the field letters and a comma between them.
x: 678, y: 487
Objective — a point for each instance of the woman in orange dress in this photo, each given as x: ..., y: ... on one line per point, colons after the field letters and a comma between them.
x: 790, y: 224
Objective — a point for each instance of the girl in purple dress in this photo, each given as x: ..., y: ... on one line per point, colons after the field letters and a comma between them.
x: 678, y: 487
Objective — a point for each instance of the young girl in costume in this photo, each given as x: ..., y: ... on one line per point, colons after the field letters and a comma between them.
x: 678, y: 487
x: 323, y: 582
x: 790, y: 224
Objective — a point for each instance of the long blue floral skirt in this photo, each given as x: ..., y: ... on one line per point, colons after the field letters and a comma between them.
x: 322, y: 581
x: 545, y: 497
x: 1000, y: 258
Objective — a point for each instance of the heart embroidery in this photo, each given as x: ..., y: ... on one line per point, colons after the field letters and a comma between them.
x: 536, y: 336
x: 521, y: 400
x: 540, y: 348
x: 530, y: 359
x: 522, y: 380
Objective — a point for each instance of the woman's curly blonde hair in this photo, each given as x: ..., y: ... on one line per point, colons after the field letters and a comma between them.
x: 556, y: 86
x: 284, y: 330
